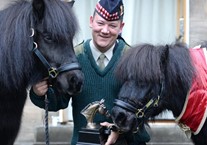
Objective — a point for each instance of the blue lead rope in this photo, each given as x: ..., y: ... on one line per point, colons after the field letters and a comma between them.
x: 46, y: 121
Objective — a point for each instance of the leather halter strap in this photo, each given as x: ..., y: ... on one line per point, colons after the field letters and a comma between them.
x: 125, y: 105
x: 140, y: 112
x: 53, y: 71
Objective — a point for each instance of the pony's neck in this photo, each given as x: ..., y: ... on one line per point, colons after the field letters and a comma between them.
x: 176, y: 105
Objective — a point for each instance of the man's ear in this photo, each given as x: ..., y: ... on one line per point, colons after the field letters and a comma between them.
x: 38, y: 9
x: 91, y: 21
x: 121, y: 27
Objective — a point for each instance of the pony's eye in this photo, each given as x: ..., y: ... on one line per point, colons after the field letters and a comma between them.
x: 48, y: 38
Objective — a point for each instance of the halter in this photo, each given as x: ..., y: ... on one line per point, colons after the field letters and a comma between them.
x: 53, y: 71
x: 140, y: 112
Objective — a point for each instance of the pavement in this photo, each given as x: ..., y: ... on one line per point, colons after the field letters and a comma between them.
x: 32, y: 117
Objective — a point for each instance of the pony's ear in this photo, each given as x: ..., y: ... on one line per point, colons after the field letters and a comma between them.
x: 164, y: 55
x: 164, y: 59
x: 38, y: 8
x: 163, y: 64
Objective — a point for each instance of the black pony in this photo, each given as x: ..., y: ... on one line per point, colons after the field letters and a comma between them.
x: 36, y: 41
x: 159, y: 78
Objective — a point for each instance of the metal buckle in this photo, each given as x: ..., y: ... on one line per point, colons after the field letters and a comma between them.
x: 140, y: 113
x: 53, y: 72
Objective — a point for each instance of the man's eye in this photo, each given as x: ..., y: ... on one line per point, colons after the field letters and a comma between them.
x: 113, y: 26
x: 100, y: 23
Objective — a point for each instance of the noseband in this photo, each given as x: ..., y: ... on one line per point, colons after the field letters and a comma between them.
x: 139, y: 112
x: 53, y: 71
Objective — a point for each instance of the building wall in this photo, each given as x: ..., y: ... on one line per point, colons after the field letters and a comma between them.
x: 198, y: 21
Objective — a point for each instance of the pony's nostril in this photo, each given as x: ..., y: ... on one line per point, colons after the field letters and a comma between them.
x: 79, y: 86
x: 120, y: 118
x: 75, y: 84
x: 121, y: 115
x: 72, y: 79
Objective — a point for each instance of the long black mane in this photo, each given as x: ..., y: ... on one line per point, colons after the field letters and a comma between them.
x: 16, y: 45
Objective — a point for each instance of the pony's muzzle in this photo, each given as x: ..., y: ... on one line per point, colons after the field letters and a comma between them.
x: 70, y: 82
x: 75, y: 85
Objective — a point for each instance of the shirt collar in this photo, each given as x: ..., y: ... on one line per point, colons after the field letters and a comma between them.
x: 96, y: 53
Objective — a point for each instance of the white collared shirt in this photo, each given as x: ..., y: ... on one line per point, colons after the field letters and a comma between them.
x: 96, y: 53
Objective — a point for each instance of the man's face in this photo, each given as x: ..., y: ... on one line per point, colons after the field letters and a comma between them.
x: 104, y: 32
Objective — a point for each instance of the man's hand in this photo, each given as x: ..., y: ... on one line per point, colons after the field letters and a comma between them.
x: 40, y: 88
x: 113, y: 136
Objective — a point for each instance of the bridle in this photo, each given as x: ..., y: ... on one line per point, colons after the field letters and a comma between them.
x: 140, y: 113
x: 53, y: 71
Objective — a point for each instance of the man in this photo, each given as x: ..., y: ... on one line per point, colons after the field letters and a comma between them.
x: 100, y: 82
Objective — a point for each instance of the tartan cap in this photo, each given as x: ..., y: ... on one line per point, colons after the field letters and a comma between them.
x: 110, y: 10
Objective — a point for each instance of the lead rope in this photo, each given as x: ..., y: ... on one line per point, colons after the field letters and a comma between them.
x: 46, y: 121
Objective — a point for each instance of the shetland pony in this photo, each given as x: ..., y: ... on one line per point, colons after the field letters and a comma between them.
x: 165, y: 77
x: 35, y: 42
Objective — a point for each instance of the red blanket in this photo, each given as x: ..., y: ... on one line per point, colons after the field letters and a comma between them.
x: 194, y: 111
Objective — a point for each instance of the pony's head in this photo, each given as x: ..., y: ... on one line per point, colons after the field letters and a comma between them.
x: 54, y: 26
x: 152, y: 76
x: 37, y: 38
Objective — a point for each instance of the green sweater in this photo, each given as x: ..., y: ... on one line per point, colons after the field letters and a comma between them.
x: 97, y: 85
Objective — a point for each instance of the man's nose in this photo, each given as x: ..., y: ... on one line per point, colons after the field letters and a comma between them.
x: 105, y: 29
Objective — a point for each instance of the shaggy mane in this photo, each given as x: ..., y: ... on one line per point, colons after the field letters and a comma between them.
x: 142, y: 64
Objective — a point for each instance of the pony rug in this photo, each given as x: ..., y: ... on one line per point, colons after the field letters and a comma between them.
x: 194, y: 112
